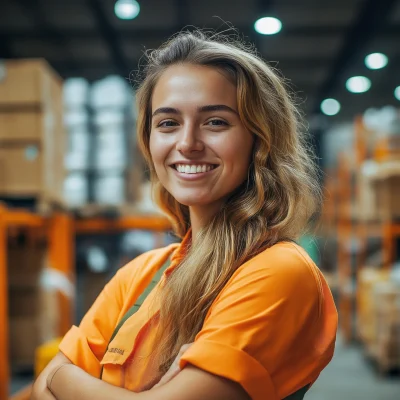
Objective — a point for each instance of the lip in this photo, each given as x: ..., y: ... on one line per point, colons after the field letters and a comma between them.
x: 192, y: 177
x: 187, y: 162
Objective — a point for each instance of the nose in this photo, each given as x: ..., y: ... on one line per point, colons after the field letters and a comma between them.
x: 188, y: 140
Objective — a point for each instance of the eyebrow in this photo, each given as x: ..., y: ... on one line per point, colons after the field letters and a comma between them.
x: 207, y: 108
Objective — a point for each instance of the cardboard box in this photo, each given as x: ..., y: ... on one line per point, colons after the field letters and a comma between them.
x: 22, y: 125
x: 32, y: 136
x: 23, y: 301
x: 388, y: 197
x: 24, y: 338
x: 378, y: 196
x: 33, y: 306
x: 31, y: 169
x: 26, y: 258
x: 23, y: 170
x: 28, y: 82
x: 34, y: 319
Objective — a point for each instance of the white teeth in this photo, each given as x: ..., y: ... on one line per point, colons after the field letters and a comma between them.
x: 193, y: 169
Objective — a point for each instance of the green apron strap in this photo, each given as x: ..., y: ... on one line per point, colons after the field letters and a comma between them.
x: 299, y: 395
x: 156, y: 278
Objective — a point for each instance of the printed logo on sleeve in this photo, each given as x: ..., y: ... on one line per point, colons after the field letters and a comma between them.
x: 116, y: 350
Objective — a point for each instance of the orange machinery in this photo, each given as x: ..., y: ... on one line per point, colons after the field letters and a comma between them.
x: 60, y: 229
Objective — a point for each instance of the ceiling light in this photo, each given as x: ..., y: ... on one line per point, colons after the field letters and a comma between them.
x: 358, y: 84
x: 397, y: 93
x: 127, y: 9
x: 330, y: 107
x: 268, y: 26
x: 376, y: 61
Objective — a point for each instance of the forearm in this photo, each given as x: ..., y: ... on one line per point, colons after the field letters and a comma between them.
x: 72, y: 383
x: 40, y: 390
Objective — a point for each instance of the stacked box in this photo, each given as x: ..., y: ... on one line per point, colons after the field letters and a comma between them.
x: 31, y: 131
x: 378, y: 196
x: 115, y: 155
x: 104, y: 168
x: 378, y: 310
x: 368, y: 278
x: 387, y: 312
x: 80, y: 141
x: 33, y: 314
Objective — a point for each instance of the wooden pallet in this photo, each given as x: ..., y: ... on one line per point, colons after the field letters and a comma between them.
x: 42, y: 204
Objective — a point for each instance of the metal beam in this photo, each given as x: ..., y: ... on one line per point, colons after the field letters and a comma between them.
x: 263, y: 7
x: 159, y: 33
x: 110, y: 36
x: 34, y: 9
x: 371, y: 20
x: 5, y: 49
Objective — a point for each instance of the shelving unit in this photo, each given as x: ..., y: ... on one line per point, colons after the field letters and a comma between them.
x: 59, y: 232
x: 60, y: 229
x: 353, y: 230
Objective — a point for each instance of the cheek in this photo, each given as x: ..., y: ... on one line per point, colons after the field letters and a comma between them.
x: 237, y: 153
x: 155, y: 150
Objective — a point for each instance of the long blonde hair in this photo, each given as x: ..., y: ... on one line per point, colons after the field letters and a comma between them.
x: 275, y: 203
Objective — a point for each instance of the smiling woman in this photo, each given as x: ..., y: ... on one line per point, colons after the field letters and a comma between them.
x: 196, y: 125
x: 240, y: 310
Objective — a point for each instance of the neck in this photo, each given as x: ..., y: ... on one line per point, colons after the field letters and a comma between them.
x: 200, y: 216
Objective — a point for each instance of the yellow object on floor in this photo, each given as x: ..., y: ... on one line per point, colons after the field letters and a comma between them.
x: 44, y: 354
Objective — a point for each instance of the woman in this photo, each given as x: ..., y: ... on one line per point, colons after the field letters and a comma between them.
x: 232, y: 171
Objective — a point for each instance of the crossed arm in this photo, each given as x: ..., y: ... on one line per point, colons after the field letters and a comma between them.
x: 69, y: 382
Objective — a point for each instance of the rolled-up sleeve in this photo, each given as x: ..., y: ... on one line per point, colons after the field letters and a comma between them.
x: 264, y: 329
x: 86, y: 344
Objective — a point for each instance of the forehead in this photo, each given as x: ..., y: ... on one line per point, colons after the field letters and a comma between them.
x: 186, y: 85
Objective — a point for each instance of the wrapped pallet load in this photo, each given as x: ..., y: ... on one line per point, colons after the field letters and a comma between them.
x: 80, y: 141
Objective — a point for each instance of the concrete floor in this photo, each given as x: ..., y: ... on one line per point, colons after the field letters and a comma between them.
x: 351, y: 377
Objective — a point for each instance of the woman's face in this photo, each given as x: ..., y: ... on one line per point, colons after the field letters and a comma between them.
x: 200, y: 149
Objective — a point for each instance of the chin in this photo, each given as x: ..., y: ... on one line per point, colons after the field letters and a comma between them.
x: 192, y: 202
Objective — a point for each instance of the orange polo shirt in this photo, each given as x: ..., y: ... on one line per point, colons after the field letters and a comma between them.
x: 271, y: 329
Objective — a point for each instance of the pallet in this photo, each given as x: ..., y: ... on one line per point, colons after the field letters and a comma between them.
x: 41, y: 204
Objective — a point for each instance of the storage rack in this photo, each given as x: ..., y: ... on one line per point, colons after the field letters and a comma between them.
x: 352, y: 228
x: 60, y: 229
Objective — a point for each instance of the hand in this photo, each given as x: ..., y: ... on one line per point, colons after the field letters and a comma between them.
x: 174, y: 368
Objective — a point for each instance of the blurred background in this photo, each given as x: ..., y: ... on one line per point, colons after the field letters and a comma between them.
x: 74, y: 195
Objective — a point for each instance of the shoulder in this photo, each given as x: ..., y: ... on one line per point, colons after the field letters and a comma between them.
x: 285, y: 260
x: 283, y: 271
x: 146, y: 263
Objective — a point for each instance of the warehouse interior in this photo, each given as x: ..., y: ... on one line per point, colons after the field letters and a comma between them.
x: 75, y: 197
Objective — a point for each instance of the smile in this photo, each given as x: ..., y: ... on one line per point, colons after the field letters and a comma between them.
x: 193, y: 169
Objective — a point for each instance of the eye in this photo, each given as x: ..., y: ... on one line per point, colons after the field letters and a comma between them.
x: 167, y: 124
x: 217, y: 122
